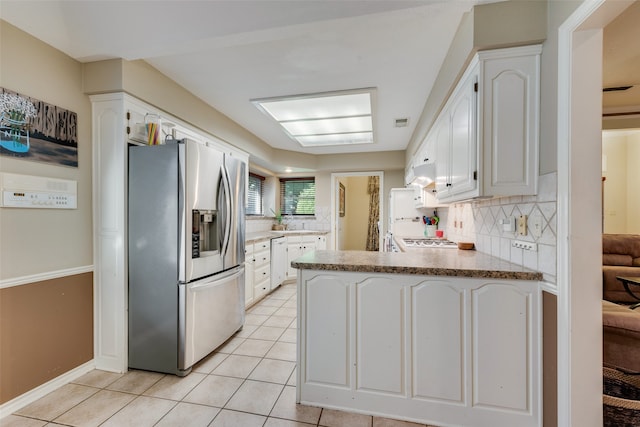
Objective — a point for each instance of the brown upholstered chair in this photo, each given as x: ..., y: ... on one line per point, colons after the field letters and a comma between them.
x: 620, y: 257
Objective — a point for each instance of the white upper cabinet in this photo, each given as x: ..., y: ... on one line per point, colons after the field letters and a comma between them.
x: 486, y: 137
x: 456, y: 141
x: 510, y: 93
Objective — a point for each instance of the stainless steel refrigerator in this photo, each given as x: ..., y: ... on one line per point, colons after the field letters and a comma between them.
x: 186, y: 229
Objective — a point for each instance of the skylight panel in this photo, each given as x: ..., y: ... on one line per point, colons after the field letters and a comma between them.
x: 335, y: 118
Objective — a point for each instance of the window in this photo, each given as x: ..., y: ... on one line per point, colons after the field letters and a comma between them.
x: 256, y: 186
x: 298, y: 196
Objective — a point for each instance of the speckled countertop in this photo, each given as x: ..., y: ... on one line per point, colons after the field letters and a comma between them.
x: 259, y: 236
x: 430, y: 262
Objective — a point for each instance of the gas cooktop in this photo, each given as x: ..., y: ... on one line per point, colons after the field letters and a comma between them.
x: 428, y: 242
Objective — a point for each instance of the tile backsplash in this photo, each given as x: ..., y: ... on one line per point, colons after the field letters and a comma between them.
x: 481, y: 222
x: 320, y: 221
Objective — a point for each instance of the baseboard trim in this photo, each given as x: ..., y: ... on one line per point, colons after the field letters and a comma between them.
x: 32, y: 395
x: 32, y: 278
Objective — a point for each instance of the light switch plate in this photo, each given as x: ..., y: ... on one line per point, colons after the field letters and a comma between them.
x: 522, y: 225
x: 536, y: 226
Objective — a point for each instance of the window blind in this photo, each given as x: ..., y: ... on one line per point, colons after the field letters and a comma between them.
x: 298, y: 196
x: 255, y: 192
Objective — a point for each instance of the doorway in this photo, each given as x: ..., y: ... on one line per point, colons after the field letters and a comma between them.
x: 579, y: 241
x: 350, y: 205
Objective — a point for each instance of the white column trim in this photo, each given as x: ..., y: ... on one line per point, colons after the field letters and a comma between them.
x: 568, y: 331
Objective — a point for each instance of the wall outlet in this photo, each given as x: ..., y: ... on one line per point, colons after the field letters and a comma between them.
x: 527, y: 246
x: 522, y: 225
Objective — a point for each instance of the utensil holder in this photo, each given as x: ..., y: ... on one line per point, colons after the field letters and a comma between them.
x: 430, y: 230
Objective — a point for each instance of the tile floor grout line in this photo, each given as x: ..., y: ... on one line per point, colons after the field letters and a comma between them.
x: 244, y: 380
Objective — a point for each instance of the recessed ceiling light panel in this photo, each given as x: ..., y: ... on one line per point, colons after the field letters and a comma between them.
x: 334, y: 118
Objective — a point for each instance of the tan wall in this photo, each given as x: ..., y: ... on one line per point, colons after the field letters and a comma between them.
x: 356, y: 213
x: 46, y: 329
x: 614, y: 152
x: 621, y: 201
x: 42, y: 240
x: 633, y: 184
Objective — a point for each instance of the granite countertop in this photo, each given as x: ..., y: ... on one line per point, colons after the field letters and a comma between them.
x: 259, y: 236
x: 430, y: 262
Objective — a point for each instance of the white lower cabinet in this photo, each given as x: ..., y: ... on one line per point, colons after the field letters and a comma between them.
x: 298, y: 246
x: 249, y: 267
x: 429, y: 349
x: 262, y: 272
x: 257, y: 275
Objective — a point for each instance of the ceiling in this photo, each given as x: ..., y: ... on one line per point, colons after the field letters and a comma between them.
x: 230, y: 52
x: 621, y: 61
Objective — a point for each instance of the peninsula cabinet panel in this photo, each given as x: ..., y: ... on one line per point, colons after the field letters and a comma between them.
x: 380, y: 331
x: 502, y: 332
x: 437, y: 350
x: 438, y: 341
x: 326, y: 327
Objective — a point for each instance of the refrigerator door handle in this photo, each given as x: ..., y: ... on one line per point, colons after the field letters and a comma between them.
x: 227, y: 211
x: 204, y: 284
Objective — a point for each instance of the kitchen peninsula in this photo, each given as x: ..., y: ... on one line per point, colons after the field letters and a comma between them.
x: 436, y: 336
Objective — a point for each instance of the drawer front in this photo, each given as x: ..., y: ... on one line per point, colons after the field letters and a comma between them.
x: 262, y: 273
x: 262, y: 258
x: 248, y: 251
x: 262, y: 246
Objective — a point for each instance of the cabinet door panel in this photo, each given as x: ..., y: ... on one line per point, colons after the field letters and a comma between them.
x: 502, y: 328
x: 437, y: 317
x: 327, y: 330
x: 511, y: 125
x: 380, y: 335
x: 463, y: 138
x: 443, y: 154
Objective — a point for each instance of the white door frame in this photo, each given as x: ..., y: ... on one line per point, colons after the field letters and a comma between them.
x: 579, y: 241
x: 334, y: 203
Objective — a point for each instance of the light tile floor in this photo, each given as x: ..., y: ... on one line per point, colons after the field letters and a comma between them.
x: 249, y: 381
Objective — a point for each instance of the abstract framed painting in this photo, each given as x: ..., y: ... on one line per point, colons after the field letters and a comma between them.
x: 34, y: 130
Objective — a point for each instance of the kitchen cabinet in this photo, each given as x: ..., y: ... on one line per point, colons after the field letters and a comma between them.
x: 510, y: 120
x: 262, y: 269
x: 430, y: 349
x: 298, y: 246
x: 456, y: 142
x: 486, y: 137
x: 249, y: 268
x: 321, y: 242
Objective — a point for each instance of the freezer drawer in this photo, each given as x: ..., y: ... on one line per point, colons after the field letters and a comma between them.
x: 214, y: 311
